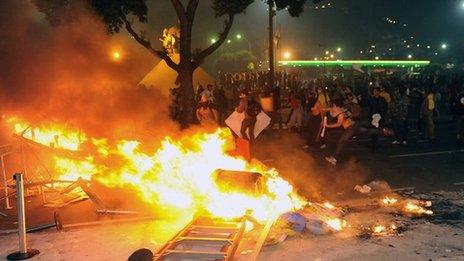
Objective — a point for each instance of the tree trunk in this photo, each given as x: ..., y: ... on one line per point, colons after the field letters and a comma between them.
x: 185, y: 72
x: 187, y: 98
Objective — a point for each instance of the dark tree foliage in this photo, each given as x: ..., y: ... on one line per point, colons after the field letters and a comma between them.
x: 114, y: 12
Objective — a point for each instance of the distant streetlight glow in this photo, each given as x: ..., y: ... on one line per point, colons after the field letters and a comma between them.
x: 409, y: 56
x: 229, y: 41
x: 444, y: 46
x: 287, y: 55
x: 339, y: 49
x: 239, y: 36
x: 377, y: 58
x: 327, y: 52
x: 213, y: 40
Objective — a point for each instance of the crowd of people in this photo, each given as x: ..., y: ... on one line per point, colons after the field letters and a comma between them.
x: 366, y: 105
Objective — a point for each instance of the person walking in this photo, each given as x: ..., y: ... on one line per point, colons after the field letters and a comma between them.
x: 399, y: 114
x: 316, y: 116
x: 206, y: 114
x: 428, y: 110
x: 349, y: 127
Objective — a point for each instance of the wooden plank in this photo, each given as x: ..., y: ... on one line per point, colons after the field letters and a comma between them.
x: 262, y: 239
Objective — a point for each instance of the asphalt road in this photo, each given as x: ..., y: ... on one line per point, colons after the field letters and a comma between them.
x: 423, y: 165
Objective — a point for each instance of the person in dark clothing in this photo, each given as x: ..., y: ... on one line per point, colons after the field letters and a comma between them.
x: 252, y: 110
x: 378, y: 105
x: 220, y: 101
x: 399, y: 115
x: 378, y: 108
x: 457, y: 108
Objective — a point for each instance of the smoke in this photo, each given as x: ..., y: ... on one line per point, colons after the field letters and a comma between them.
x: 308, y: 172
x: 68, y: 74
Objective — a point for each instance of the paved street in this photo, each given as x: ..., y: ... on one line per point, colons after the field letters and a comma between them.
x: 425, y: 166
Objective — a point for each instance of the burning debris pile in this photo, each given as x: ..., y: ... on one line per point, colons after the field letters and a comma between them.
x: 198, y: 174
x: 179, y: 175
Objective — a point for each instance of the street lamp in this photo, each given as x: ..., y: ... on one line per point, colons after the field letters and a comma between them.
x: 409, y: 56
x: 287, y: 55
x: 241, y: 37
x: 444, y: 46
x: 229, y: 41
x: 339, y: 49
x: 213, y: 40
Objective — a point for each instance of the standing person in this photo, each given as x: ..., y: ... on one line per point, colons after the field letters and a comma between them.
x: 206, y: 114
x: 457, y: 108
x: 428, y: 109
x: 377, y: 113
x: 417, y: 99
x: 399, y: 114
x: 276, y: 114
x: 251, y: 108
x: 349, y: 127
x: 316, y: 114
x: 208, y: 93
x: 384, y: 94
x: 221, y: 103
x: 295, y: 121
x: 200, y: 90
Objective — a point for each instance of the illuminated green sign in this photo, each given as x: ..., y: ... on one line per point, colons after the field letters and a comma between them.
x: 361, y: 63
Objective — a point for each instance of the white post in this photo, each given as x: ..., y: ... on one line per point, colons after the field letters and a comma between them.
x: 21, y: 214
x: 23, y: 252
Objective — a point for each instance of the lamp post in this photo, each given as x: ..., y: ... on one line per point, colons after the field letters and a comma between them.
x: 271, y: 45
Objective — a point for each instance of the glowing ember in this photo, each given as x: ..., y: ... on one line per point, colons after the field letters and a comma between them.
x: 418, y: 210
x: 389, y: 201
x: 336, y: 223
x: 329, y: 206
x: 52, y: 135
x: 378, y: 229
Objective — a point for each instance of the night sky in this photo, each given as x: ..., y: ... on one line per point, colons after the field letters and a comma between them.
x: 353, y: 25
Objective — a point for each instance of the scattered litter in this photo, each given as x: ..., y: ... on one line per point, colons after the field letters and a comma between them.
x: 363, y: 189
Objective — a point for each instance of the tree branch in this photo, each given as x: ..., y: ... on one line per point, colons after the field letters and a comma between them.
x: 145, y: 43
x: 191, y: 9
x: 180, y: 10
x: 200, y: 57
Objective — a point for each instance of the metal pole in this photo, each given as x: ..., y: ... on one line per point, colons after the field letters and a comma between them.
x: 271, y: 45
x: 5, y: 185
x: 23, y: 252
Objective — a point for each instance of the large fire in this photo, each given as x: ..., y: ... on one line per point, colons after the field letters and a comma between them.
x: 179, y: 174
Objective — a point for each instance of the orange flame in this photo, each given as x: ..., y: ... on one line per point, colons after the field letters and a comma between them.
x: 179, y: 174
x: 389, y: 201
x: 53, y: 135
x: 418, y: 210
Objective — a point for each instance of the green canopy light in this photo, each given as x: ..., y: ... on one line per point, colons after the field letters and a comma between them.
x: 361, y: 63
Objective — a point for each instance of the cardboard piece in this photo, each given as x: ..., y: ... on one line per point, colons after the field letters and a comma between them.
x: 234, y: 121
